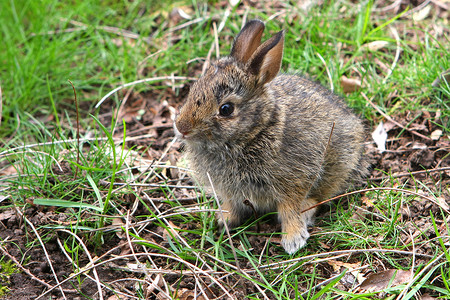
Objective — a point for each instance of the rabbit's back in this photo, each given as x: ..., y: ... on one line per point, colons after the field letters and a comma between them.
x: 322, y: 138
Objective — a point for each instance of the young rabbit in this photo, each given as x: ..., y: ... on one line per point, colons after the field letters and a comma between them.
x: 281, y: 142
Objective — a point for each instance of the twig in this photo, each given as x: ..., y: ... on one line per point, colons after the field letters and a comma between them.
x: 378, y: 189
x: 392, y: 120
x: 417, y: 8
x: 328, y: 71
x: 215, y: 43
x: 396, y: 4
x: 311, y: 258
x: 216, y: 40
x: 180, y: 238
x: 440, y: 4
x: 404, y: 174
x: 142, y: 81
x: 255, y: 215
x: 32, y: 152
x: 139, y: 264
x: 397, y: 54
x: 187, y: 24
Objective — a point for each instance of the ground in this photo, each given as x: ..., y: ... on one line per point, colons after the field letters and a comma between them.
x: 405, y: 156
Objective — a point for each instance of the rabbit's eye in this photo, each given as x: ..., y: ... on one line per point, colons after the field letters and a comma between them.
x: 226, y: 109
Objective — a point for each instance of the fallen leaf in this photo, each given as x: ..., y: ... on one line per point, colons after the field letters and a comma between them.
x: 421, y: 14
x: 389, y: 125
x: 350, y: 85
x: 185, y: 294
x: 154, y: 284
x: 367, y: 201
x: 380, y: 137
x: 379, y: 281
x: 443, y: 203
x: 375, y: 45
x: 118, y: 222
x: 234, y: 2
x: 418, y: 145
x: 8, y: 171
x: 7, y: 214
x: 170, y: 231
x: 351, y: 268
x: 436, y: 135
x: 427, y: 297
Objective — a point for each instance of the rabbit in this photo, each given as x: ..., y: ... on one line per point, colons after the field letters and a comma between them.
x: 280, y: 141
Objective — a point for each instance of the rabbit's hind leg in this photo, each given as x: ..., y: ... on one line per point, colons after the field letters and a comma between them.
x: 295, y: 224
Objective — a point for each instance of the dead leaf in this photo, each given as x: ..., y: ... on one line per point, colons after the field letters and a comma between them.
x: 367, y: 201
x: 234, y: 2
x: 379, y: 281
x: 380, y: 137
x: 154, y: 284
x: 7, y: 214
x: 389, y: 125
x: 443, y: 203
x: 375, y: 45
x: 3, y: 198
x: 8, y: 171
x: 427, y: 297
x: 337, y: 265
x: 436, y: 135
x: 170, y: 231
x: 418, y: 145
x: 118, y: 222
x: 421, y: 14
x: 350, y: 85
x: 185, y: 294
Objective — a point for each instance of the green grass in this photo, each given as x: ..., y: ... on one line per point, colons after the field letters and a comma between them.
x: 7, y: 268
x: 42, y: 49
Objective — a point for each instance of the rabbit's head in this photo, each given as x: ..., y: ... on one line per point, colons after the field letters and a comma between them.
x: 229, y: 101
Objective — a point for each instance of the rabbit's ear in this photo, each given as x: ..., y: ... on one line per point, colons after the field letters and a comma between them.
x: 247, y: 41
x: 266, y: 61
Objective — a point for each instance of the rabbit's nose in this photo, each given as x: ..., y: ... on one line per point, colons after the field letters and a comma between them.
x: 184, y: 127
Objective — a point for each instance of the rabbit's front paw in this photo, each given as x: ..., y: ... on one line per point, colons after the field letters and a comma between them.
x: 293, y: 241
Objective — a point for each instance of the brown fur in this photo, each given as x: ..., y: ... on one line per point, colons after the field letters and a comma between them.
x: 273, y: 148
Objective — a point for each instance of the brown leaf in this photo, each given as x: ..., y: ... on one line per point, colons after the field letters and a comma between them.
x: 350, y: 85
x: 367, y: 201
x: 427, y: 297
x: 380, y: 281
x: 118, y: 222
x: 436, y: 135
x: 353, y: 268
x: 7, y: 214
x: 375, y: 45
x: 8, y: 171
x: 170, y: 231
